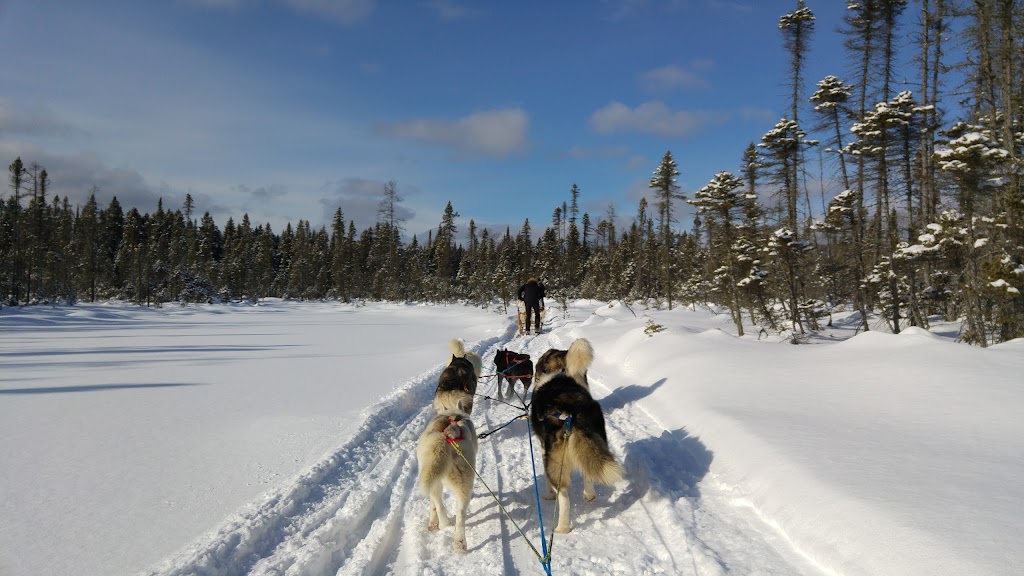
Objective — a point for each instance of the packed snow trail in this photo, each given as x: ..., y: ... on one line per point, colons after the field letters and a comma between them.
x: 359, y: 511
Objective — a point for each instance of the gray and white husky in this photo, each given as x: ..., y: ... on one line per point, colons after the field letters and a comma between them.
x: 458, y: 380
x: 563, y: 396
x: 440, y: 465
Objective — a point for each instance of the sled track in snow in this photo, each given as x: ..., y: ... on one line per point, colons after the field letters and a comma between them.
x: 359, y: 511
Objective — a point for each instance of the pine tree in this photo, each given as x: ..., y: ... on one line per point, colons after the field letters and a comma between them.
x: 12, y: 211
x: 87, y: 239
x: 972, y: 157
x: 445, y: 254
x: 723, y: 200
x: 797, y: 28
x: 666, y: 191
x: 830, y: 103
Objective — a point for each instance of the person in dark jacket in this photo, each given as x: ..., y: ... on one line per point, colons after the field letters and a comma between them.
x: 532, y: 295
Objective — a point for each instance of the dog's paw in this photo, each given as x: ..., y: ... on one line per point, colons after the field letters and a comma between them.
x: 549, y: 496
x: 459, y: 545
x: 590, y: 497
x: 563, y: 529
x: 432, y: 525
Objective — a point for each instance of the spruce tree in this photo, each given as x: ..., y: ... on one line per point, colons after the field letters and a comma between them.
x: 723, y: 200
x: 666, y: 191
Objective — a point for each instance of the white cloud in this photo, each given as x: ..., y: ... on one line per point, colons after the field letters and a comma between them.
x: 75, y: 175
x: 344, y: 11
x: 494, y: 133
x: 35, y: 120
x: 219, y: 4
x: 637, y: 162
x: 578, y: 152
x: 359, y: 199
x: 757, y: 114
x: 702, y: 64
x: 450, y: 10
x: 672, y: 77
x: 616, y: 10
x: 648, y: 118
x: 732, y: 6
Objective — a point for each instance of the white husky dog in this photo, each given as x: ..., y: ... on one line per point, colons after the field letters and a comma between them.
x: 440, y: 464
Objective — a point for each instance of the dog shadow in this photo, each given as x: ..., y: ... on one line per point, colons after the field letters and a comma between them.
x: 521, y: 507
x: 627, y: 395
x: 672, y: 465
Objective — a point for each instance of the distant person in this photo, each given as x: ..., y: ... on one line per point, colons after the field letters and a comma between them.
x: 532, y: 295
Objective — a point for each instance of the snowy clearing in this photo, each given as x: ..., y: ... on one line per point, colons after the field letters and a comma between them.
x: 280, y: 439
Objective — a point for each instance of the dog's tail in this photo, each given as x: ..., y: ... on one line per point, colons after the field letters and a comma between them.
x: 578, y: 359
x: 592, y: 456
x: 476, y: 361
x: 457, y: 347
x: 459, y: 351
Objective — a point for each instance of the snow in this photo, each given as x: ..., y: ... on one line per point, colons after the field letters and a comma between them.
x: 279, y: 438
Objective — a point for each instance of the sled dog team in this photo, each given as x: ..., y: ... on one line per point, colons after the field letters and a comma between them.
x: 566, y: 419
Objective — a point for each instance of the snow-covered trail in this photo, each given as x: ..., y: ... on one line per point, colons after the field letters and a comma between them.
x: 359, y: 511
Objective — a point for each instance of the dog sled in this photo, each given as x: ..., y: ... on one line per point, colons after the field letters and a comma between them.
x: 521, y: 317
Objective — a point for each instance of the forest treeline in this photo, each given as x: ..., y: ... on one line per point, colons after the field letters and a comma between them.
x: 929, y: 220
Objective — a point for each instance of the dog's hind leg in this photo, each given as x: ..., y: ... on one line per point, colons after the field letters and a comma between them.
x: 461, y: 508
x: 555, y: 470
x: 438, y: 514
x: 589, y: 494
x: 550, y: 494
x: 461, y: 485
x: 564, y: 522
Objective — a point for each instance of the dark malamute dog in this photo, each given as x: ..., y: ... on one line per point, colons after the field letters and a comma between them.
x: 458, y: 380
x: 564, y: 396
x: 441, y: 466
x: 554, y: 361
x: 512, y: 366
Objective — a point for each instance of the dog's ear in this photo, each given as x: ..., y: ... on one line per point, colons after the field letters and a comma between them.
x: 458, y: 404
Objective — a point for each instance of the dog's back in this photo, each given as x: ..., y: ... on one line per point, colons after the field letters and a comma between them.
x: 442, y: 466
x: 437, y: 458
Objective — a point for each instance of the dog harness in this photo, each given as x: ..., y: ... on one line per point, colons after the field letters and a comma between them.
x: 452, y: 420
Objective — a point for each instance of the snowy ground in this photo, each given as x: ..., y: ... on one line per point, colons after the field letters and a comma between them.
x: 280, y: 439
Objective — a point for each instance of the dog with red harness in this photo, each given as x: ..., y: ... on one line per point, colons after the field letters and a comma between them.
x: 511, y: 367
x: 446, y: 454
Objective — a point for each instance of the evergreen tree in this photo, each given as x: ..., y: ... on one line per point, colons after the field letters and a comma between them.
x: 12, y: 213
x: 665, y: 191
x: 88, y: 247
x: 723, y: 200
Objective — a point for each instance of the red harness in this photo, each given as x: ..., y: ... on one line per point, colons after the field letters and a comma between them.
x: 452, y: 420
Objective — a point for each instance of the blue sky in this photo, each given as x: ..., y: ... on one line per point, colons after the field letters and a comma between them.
x: 288, y: 109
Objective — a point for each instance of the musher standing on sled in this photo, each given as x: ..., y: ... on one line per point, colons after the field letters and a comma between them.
x: 532, y: 295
